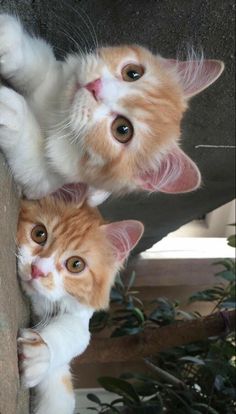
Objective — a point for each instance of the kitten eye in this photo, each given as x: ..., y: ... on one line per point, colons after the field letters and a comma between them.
x: 75, y: 264
x: 132, y: 73
x: 122, y: 129
x: 39, y: 234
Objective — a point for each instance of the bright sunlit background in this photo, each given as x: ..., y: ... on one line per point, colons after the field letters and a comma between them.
x: 205, y: 238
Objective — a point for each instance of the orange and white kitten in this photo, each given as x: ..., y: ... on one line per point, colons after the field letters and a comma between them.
x: 67, y: 261
x: 110, y: 119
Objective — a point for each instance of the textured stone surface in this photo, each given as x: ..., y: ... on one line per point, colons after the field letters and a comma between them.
x: 13, y: 311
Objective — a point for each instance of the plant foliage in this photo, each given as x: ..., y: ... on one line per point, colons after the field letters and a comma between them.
x: 194, y: 379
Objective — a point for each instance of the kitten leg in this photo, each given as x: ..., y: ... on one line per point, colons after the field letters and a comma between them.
x: 45, y: 358
x: 67, y: 336
x: 34, y: 356
x: 55, y: 393
x: 22, y: 143
x: 24, y: 60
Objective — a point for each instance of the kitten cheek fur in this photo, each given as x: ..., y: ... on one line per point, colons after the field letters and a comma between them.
x: 93, y: 286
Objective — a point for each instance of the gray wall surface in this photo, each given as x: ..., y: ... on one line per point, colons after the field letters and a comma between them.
x: 13, y: 309
x: 165, y: 27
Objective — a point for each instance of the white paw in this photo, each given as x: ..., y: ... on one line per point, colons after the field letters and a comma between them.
x: 12, y: 113
x: 11, y: 39
x: 34, y: 357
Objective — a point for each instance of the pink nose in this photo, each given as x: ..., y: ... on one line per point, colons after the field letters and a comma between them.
x: 36, y: 272
x: 94, y: 87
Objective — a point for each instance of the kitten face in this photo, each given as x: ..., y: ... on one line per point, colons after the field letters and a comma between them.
x: 65, y: 250
x: 125, y: 107
x: 151, y: 107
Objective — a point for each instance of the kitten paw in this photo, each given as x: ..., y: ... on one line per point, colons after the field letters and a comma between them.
x: 11, y: 39
x: 12, y: 112
x: 34, y: 357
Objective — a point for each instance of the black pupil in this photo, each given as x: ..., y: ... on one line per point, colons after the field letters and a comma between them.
x: 40, y: 234
x: 76, y: 264
x: 123, y: 129
x: 132, y: 74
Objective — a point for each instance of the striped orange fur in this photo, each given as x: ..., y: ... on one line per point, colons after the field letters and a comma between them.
x: 72, y: 230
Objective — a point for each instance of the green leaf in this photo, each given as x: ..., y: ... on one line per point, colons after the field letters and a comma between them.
x: 138, y: 376
x: 93, y: 398
x: 119, y: 281
x: 228, y: 305
x: 219, y: 382
x: 164, y: 312
x: 133, y: 330
x: 194, y: 360
x: 116, y: 295
x: 120, y: 387
x: 145, y: 389
x: 117, y: 401
x: 138, y: 314
x: 149, y: 409
x: 227, y: 275
x: 131, y: 280
x: 98, y: 321
x: 209, y: 410
x: 227, y: 263
x: 232, y: 240
x: 185, y: 315
x: 207, y: 295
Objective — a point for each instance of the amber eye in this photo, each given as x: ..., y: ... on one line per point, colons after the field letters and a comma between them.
x: 75, y: 264
x: 39, y: 234
x: 132, y: 73
x: 122, y: 129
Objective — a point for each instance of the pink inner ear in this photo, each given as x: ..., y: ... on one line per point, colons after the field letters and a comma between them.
x: 177, y: 173
x: 72, y: 193
x: 196, y: 75
x: 123, y: 235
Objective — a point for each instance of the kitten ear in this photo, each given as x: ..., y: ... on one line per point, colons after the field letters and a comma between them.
x: 123, y: 236
x: 176, y: 173
x: 72, y: 193
x: 196, y: 75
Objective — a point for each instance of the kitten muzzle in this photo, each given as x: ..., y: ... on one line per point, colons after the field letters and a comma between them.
x: 95, y: 88
x: 36, y: 272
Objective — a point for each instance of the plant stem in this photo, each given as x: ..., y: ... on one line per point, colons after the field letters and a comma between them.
x: 165, y: 375
x: 152, y: 341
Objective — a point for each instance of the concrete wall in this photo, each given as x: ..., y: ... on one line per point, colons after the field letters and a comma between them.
x: 13, y: 310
